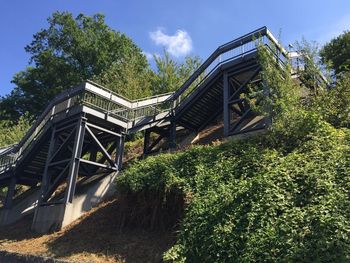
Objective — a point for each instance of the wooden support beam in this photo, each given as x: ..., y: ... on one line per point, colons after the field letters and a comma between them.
x: 146, y: 141
x: 240, y: 121
x: 244, y: 84
x: 59, y: 162
x: 172, y: 135
x: 45, y: 177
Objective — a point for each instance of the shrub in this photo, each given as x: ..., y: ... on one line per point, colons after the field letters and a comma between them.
x: 253, y: 203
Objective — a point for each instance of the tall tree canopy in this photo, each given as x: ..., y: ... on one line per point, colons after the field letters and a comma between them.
x: 170, y: 75
x: 70, y: 51
x: 336, y: 53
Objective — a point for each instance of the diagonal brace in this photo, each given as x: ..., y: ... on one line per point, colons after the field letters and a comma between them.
x: 245, y: 83
x: 65, y: 142
x: 99, y: 144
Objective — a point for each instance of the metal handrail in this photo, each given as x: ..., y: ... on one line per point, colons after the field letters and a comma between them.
x: 8, y: 146
x: 127, y: 114
x: 215, y: 59
x: 130, y: 110
x: 127, y: 99
x: 37, y: 128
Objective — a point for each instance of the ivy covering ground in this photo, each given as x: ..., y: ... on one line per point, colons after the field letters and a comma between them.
x: 253, y: 203
x: 279, y: 197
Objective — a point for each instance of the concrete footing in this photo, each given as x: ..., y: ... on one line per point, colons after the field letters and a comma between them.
x: 22, y: 207
x: 48, y: 218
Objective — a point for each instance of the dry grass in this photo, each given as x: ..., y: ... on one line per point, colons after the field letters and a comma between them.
x: 95, y: 237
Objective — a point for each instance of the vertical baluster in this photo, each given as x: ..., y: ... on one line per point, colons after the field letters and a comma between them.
x: 109, y: 104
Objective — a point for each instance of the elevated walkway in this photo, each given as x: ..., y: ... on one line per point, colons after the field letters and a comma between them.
x: 81, y: 133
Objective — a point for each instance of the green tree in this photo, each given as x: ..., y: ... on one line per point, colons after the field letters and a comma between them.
x: 70, y: 51
x: 11, y: 132
x: 311, y: 75
x: 336, y: 53
x: 286, y: 101
x: 278, y: 197
x: 170, y: 75
x: 334, y: 104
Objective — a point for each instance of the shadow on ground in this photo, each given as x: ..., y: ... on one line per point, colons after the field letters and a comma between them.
x: 18, y: 231
x: 98, y: 233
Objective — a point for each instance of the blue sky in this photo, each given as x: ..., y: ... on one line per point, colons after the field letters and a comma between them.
x: 182, y: 26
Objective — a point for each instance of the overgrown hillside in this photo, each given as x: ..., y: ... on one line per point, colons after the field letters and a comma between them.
x: 279, y: 197
x: 241, y: 201
x: 249, y: 202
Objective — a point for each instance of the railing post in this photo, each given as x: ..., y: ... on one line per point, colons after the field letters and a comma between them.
x: 172, y: 135
x: 75, y: 161
x: 45, y: 179
x: 53, y: 110
x: 226, y: 105
x: 146, y: 141
x: 120, y: 152
x: 109, y: 104
x: 10, y: 192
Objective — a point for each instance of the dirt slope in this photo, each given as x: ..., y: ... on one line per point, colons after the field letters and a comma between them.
x: 93, y: 238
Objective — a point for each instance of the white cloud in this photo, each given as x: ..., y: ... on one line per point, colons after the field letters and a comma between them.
x: 179, y: 44
x: 148, y: 55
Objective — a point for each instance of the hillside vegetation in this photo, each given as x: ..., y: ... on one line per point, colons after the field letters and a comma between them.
x: 249, y: 202
x: 279, y: 197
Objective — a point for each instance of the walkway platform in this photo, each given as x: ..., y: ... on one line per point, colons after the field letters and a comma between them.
x: 79, y: 137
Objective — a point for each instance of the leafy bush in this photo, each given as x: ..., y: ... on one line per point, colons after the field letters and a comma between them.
x: 281, y: 197
x: 334, y: 104
x: 11, y: 132
x: 253, y: 203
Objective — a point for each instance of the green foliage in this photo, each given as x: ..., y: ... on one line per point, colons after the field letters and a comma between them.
x: 334, y: 104
x: 280, y: 98
x: 165, y: 172
x: 289, y: 211
x: 170, y: 75
x: 281, y: 197
x: 311, y: 76
x: 11, y: 132
x: 336, y: 53
x: 254, y: 203
x: 70, y: 51
x: 279, y: 94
